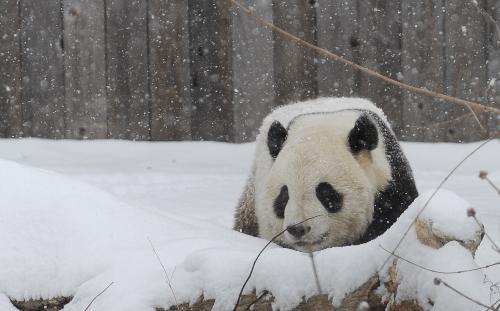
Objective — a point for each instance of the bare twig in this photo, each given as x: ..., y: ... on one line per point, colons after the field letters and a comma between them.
x: 367, y: 71
x: 167, y: 278
x: 492, y: 307
x: 484, y: 175
x: 437, y: 271
x: 260, y: 253
x: 497, y: 249
x: 441, y: 123
x: 438, y: 281
x: 432, y: 196
x: 315, y: 271
x: 97, y: 296
x: 264, y: 293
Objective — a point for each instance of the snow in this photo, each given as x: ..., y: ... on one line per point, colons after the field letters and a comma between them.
x: 439, y: 210
x: 76, y: 216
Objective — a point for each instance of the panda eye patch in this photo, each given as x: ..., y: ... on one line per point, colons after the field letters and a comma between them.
x: 280, y: 202
x: 329, y: 197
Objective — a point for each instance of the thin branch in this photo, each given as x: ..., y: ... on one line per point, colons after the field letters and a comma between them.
x: 492, y: 307
x: 432, y: 196
x: 484, y: 175
x: 260, y: 253
x: 97, y: 296
x: 439, y: 281
x: 167, y: 278
x: 437, y: 271
x: 367, y: 71
x: 441, y: 123
x: 264, y: 293
x: 315, y: 271
x: 497, y: 249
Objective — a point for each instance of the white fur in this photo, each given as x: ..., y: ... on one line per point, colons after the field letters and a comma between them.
x: 317, y: 151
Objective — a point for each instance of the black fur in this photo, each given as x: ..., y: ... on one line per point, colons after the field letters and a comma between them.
x: 276, y: 138
x: 329, y: 197
x: 281, y: 202
x: 364, y: 135
x: 399, y: 194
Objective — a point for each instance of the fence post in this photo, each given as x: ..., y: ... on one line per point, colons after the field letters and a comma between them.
x: 466, y: 70
x: 295, y: 68
x: 85, y: 69
x: 127, y: 69
x: 252, y: 70
x: 42, y: 69
x: 337, y: 22
x: 423, y: 66
x: 169, y: 70
x: 380, y: 50
x: 10, y: 70
x: 492, y: 91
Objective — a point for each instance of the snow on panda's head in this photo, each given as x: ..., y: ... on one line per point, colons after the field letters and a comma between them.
x: 327, y: 165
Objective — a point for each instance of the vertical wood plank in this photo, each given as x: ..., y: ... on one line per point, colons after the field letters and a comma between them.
x: 423, y: 66
x: 380, y: 50
x: 85, y: 75
x: 252, y: 70
x: 492, y: 92
x: 210, y: 51
x: 169, y: 70
x: 466, y: 70
x: 127, y: 69
x: 10, y: 70
x: 42, y: 69
x: 337, y: 22
x: 295, y: 69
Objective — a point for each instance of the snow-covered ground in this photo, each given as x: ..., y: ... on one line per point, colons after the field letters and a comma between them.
x: 76, y: 216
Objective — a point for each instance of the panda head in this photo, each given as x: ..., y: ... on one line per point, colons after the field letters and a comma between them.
x: 327, y: 167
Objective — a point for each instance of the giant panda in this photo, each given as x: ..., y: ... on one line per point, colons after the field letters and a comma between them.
x: 334, y: 160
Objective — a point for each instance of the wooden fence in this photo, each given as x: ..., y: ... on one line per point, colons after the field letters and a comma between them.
x: 199, y: 69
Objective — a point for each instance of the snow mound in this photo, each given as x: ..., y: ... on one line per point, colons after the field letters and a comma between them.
x: 447, y: 205
x: 62, y: 237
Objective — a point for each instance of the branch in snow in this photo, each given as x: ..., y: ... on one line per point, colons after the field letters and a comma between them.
x: 438, y: 282
x: 97, y: 296
x: 260, y: 253
x: 431, y: 197
x: 167, y: 278
x: 484, y: 175
x: 437, y: 271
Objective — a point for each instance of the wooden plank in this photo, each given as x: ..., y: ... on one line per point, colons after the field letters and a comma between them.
x: 337, y: 32
x: 466, y: 70
x: 42, y: 69
x: 169, y: 70
x: 492, y: 92
x: 127, y: 70
x: 210, y: 51
x: 10, y: 70
x: 380, y: 49
x: 295, y: 69
x: 85, y: 69
x: 423, y: 66
x: 252, y: 70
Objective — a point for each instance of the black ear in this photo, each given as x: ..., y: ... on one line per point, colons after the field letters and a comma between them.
x: 364, y: 135
x: 276, y: 138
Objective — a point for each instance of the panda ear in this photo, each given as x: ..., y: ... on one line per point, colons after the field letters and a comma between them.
x: 364, y: 135
x: 276, y: 138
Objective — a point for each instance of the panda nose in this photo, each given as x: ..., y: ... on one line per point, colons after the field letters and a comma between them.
x: 298, y: 231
